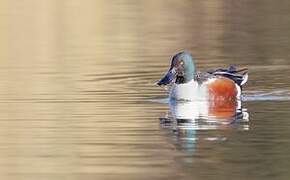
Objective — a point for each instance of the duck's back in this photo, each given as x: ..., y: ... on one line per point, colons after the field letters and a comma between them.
x: 240, y: 77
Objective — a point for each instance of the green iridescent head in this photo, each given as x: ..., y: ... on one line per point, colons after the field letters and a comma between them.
x: 181, y: 71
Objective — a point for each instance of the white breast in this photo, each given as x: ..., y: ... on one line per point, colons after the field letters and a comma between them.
x: 190, y: 91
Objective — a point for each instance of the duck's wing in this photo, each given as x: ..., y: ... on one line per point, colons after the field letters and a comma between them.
x: 240, y: 76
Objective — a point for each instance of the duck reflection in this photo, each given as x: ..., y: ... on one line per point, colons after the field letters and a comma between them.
x: 189, y: 121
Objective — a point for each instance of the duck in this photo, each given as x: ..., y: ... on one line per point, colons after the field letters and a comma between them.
x: 187, y: 84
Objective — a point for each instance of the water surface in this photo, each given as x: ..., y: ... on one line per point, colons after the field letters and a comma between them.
x: 78, y: 99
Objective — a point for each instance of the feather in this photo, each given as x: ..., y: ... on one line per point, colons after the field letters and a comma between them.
x: 240, y: 77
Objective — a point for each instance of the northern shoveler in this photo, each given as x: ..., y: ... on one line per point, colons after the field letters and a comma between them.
x: 189, y: 85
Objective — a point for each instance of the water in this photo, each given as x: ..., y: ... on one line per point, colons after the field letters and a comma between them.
x: 78, y: 99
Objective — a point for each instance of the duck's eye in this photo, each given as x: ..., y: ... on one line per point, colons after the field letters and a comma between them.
x: 181, y: 63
